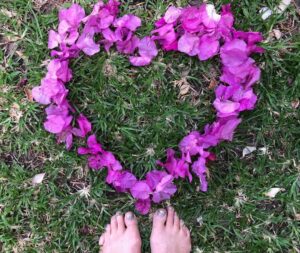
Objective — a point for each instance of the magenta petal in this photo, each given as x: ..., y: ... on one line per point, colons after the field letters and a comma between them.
x: 143, y: 206
x: 72, y: 15
x: 94, y: 162
x: 87, y: 45
x: 154, y: 177
x: 69, y: 140
x: 210, y: 17
x: 125, y: 182
x: 140, y: 61
x: 141, y: 190
x: 147, y: 47
x: 199, y: 168
x: 56, y: 124
x: 191, y: 18
x: 208, y: 47
x: 226, y: 106
x: 227, y: 130
x: 83, y: 151
x: 234, y: 53
x: 84, y: 125
x: 54, y: 39
x: 40, y: 96
x: 59, y: 69
x: 189, y: 44
x: 164, y: 190
x: 129, y: 21
x: 172, y: 14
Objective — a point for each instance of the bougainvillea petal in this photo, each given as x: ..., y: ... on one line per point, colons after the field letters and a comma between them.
x: 141, y: 190
x: 143, y: 205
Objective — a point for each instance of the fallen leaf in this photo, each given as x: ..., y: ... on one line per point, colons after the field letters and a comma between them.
x: 15, y: 113
x: 213, y: 83
x: 248, y: 150
x: 8, y: 13
x: 277, y: 33
x: 28, y: 94
x: 263, y: 150
x: 295, y: 104
x: 273, y: 192
x: 37, y: 179
x: 184, y: 87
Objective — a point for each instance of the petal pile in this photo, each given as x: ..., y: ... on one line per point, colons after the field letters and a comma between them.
x: 195, y: 31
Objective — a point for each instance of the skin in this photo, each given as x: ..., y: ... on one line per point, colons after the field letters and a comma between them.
x: 169, y: 234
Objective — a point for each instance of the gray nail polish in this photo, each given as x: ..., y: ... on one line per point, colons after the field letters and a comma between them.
x: 106, y: 226
x: 118, y: 213
x: 130, y: 216
x: 161, y: 212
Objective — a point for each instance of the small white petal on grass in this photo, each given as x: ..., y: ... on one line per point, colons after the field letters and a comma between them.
x: 263, y: 150
x: 248, y: 150
x: 265, y: 13
x: 200, y: 220
x: 37, y: 179
x: 283, y: 5
x: 273, y: 192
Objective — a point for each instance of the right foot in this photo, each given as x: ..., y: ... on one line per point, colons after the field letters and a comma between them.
x: 121, y: 235
x: 169, y: 234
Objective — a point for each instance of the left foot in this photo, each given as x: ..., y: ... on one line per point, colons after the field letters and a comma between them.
x: 121, y: 235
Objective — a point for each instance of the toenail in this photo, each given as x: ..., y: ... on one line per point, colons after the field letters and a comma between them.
x: 106, y: 226
x: 130, y: 216
x: 170, y: 208
x: 181, y: 222
x: 161, y: 212
x: 118, y: 213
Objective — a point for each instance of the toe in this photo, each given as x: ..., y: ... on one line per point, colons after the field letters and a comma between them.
x: 130, y: 220
x: 101, y: 240
x: 120, y: 222
x: 107, y: 233
x: 132, y: 228
x: 176, y: 221
x: 185, y: 231
x: 159, y: 219
x: 170, y: 218
x: 113, y: 224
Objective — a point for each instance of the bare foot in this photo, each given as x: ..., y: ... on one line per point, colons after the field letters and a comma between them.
x: 121, y: 235
x: 169, y: 234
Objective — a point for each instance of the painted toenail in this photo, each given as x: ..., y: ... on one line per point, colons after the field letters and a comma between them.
x: 161, y: 212
x: 170, y: 208
x: 118, y: 213
x: 130, y: 216
x: 181, y: 222
x: 106, y: 226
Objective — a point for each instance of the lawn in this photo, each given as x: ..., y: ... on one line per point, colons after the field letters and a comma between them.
x: 137, y: 113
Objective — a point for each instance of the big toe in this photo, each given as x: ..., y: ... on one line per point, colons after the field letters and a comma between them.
x: 159, y: 219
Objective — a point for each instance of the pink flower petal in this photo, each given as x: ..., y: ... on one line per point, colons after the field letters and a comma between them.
x: 141, y: 190
x: 143, y: 206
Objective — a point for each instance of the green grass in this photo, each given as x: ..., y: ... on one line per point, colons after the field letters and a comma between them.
x: 137, y: 114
